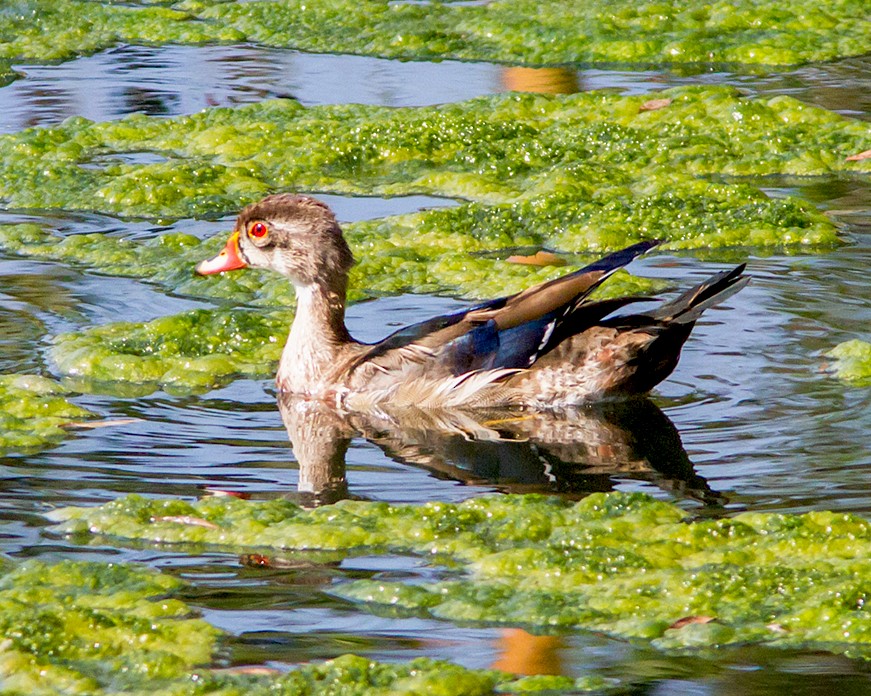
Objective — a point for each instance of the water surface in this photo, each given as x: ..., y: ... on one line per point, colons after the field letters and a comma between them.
x: 763, y: 426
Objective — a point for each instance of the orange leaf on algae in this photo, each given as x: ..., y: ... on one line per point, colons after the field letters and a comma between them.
x: 539, y: 258
x: 654, y: 104
x: 860, y: 156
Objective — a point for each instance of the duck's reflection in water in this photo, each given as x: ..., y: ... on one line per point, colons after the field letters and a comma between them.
x: 570, y: 453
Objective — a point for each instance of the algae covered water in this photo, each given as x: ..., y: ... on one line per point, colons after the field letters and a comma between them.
x: 753, y: 420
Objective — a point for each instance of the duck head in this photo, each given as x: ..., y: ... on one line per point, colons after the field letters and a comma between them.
x: 297, y: 236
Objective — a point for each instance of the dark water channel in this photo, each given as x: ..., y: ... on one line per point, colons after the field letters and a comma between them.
x: 748, y: 420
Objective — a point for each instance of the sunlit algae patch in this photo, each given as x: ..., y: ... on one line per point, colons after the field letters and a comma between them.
x: 511, y: 31
x: 91, y: 628
x: 587, y: 171
x: 622, y: 564
x: 853, y: 361
x: 81, y: 627
x: 34, y: 412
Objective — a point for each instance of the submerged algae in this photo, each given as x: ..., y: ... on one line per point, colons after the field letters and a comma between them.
x: 552, y: 168
x: 510, y: 31
x: 618, y: 563
x: 853, y: 361
x: 34, y: 412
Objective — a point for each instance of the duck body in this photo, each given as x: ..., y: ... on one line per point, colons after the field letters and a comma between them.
x: 546, y: 347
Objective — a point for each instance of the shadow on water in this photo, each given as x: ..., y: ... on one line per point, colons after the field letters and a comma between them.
x: 571, y: 453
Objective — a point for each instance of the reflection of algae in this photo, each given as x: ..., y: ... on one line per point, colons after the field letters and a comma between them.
x: 620, y: 563
x: 511, y: 31
x: 33, y: 412
x: 853, y: 361
x: 556, y: 167
x: 91, y: 628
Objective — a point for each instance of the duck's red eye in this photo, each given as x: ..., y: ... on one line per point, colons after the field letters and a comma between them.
x: 258, y: 230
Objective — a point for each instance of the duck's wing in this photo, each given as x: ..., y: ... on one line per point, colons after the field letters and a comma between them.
x: 509, y: 332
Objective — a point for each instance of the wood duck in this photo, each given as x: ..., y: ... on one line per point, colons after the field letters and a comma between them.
x: 546, y: 347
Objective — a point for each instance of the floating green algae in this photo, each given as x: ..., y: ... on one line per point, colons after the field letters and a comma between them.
x: 34, y: 412
x: 44, y: 30
x: 619, y: 563
x: 523, y: 31
x: 95, y: 628
x: 586, y: 172
x: 510, y: 31
x: 351, y: 675
x: 76, y: 627
x: 578, y: 172
x: 196, y: 350
x: 853, y: 361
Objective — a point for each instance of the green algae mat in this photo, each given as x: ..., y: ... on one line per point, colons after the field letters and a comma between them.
x: 77, y: 627
x: 34, y: 412
x: 578, y: 174
x: 852, y: 362
x: 575, y: 170
x: 622, y: 564
x: 94, y: 628
x: 511, y: 31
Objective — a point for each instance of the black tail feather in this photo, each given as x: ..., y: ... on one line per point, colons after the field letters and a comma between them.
x: 690, y: 305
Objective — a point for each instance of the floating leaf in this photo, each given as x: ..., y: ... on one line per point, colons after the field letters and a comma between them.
x: 654, y: 104
x: 539, y: 258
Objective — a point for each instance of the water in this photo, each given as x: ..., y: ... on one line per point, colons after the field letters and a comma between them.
x: 751, y: 420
